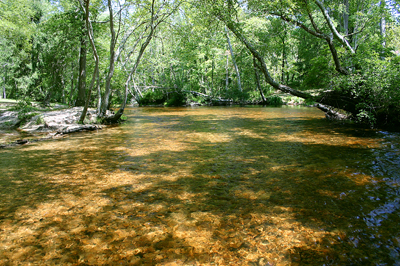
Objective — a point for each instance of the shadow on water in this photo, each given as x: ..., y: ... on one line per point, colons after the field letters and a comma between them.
x: 203, y: 188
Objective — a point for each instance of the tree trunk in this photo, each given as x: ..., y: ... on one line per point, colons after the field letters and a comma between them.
x: 121, y: 110
x: 383, y: 31
x: 333, y: 29
x: 71, y: 93
x: 96, y: 58
x: 335, y: 99
x: 258, y: 80
x: 143, y: 47
x: 80, y: 101
x: 62, y: 89
x: 98, y: 95
x: 106, y: 97
x: 233, y: 60
x: 346, y: 13
x: 283, y: 59
x: 227, y: 74
x: 4, y: 88
x: 212, y: 76
x: 327, y: 38
x: 138, y: 92
x: 4, y: 84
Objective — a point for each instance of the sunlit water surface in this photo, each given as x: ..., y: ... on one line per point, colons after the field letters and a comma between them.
x: 204, y: 186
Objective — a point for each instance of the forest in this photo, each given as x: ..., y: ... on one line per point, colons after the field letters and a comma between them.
x: 105, y: 54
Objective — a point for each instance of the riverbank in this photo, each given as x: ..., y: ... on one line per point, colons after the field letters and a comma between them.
x: 44, y: 124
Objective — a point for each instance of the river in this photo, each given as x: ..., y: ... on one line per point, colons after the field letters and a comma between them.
x: 204, y: 186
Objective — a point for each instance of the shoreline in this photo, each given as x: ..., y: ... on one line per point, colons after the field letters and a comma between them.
x: 44, y: 125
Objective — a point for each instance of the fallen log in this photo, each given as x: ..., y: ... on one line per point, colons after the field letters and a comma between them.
x: 330, y: 113
x: 77, y: 128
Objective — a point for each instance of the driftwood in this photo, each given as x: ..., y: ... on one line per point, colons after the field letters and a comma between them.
x: 210, y: 98
x: 77, y: 128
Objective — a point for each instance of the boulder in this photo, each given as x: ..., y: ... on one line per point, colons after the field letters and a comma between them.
x: 61, y: 121
x: 9, y: 119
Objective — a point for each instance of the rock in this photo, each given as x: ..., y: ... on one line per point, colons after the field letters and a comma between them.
x: 9, y: 119
x: 61, y: 121
x: 109, y: 113
x: 56, y: 122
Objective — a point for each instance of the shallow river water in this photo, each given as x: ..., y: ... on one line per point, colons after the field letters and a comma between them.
x: 204, y: 186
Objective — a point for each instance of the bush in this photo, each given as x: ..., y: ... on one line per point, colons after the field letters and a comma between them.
x: 309, y: 102
x: 274, y: 100
x: 376, y: 87
x: 40, y: 120
x: 25, y: 110
x: 176, y: 99
x: 151, y: 97
x: 235, y: 94
x: 196, y: 99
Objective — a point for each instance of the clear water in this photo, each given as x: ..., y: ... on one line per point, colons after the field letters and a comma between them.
x: 204, y: 186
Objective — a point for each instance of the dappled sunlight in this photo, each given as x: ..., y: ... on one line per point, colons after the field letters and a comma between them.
x: 208, y: 137
x: 177, y: 188
x: 247, y: 133
x: 326, y: 139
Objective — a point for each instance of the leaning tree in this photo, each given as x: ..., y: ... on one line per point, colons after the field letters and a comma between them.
x: 346, y: 28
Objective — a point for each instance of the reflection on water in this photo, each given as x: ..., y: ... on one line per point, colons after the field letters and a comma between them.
x: 204, y: 186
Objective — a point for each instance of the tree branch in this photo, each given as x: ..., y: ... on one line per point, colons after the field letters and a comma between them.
x: 335, y: 33
x: 263, y: 67
x: 301, y: 25
x: 325, y: 37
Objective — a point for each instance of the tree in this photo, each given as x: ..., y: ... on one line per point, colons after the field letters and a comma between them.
x: 340, y: 53
x: 113, y: 40
x: 351, y: 98
x: 158, y: 12
x: 17, y: 26
x: 233, y: 60
x: 95, y: 55
x: 80, y: 101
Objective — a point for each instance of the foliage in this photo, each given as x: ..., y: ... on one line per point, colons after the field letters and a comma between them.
x: 235, y: 94
x: 41, y: 41
x: 254, y: 95
x: 39, y: 120
x: 152, y: 97
x: 176, y: 98
x: 376, y: 87
x: 274, y: 100
x: 25, y: 110
x: 309, y: 102
x: 196, y: 99
x: 293, y: 100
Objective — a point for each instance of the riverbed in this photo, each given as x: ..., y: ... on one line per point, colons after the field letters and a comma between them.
x: 204, y: 186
